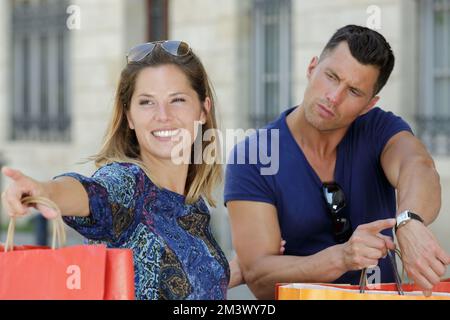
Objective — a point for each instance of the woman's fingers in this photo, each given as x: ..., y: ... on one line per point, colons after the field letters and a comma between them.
x: 47, y: 212
x: 11, y: 202
x: 12, y: 173
x: 20, y: 187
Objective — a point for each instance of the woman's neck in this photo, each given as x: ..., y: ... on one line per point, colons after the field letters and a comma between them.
x: 167, y: 174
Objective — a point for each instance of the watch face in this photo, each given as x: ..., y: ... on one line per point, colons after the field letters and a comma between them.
x: 402, y: 218
x: 406, y: 216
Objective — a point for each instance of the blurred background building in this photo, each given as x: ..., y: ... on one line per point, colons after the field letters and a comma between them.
x: 60, y: 62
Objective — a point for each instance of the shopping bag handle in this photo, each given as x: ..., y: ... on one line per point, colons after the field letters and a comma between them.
x: 398, y: 280
x: 59, y: 233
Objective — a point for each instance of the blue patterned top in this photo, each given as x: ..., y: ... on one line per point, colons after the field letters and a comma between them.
x: 175, y: 254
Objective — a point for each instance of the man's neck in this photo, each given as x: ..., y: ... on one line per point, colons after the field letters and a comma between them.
x: 320, y: 144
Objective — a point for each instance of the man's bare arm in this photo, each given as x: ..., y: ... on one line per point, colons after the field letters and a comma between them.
x: 256, y: 238
x: 410, y: 169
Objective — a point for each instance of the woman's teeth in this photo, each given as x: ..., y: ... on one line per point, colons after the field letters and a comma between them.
x: 165, y: 133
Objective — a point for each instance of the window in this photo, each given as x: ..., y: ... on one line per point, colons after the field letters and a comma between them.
x: 433, y: 117
x: 271, y: 78
x: 157, y: 19
x: 40, y: 53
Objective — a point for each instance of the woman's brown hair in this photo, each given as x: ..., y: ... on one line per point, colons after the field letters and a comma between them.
x: 120, y: 142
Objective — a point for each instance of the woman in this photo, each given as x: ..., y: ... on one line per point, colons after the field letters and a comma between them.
x: 140, y: 198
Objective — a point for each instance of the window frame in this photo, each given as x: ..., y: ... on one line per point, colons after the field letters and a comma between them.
x: 432, y: 125
x: 164, y: 17
x: 40, y: 107
x: 261, y: 112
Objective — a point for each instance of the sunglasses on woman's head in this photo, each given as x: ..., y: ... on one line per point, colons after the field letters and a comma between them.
x: 173, y: 47
x: 335, y: 200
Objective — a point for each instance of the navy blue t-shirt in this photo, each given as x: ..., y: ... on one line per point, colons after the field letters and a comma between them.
x: 295, y: 189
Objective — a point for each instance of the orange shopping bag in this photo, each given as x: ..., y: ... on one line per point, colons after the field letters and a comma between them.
x: 387, y: 291
x: 88, y: 272
x: 305, y: 291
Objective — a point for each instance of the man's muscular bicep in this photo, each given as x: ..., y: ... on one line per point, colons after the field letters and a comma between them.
x: 255, y: 231
x: 403, y: 147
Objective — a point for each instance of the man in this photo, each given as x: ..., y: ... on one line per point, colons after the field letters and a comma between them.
x: 333, y: 198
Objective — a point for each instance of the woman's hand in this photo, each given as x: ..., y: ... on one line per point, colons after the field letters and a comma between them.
x: 21, y: 187
x: 236, y: 277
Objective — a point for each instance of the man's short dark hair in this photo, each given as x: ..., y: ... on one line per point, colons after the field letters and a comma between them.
x: 368, y: 47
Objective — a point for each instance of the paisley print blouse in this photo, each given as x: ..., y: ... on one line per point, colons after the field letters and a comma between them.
x: 175, y: 254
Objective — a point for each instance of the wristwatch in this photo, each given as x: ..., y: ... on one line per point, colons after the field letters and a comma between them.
x: 404, y: 217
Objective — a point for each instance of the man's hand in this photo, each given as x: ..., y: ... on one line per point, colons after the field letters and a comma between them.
x: 423, y: 258
x: 367, y: 245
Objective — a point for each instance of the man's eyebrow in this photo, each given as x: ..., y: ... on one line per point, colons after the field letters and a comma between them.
x: 334, y: 74
x: 359, y: 91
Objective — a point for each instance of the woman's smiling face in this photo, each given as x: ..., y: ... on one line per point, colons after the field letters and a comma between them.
x: 164, y: 108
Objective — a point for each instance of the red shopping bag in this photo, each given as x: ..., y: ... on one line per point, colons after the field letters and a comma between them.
x: 90, y: 272
x: 83, y: 272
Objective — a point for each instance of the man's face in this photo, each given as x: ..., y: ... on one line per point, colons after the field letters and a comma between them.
x: 339, y: 89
